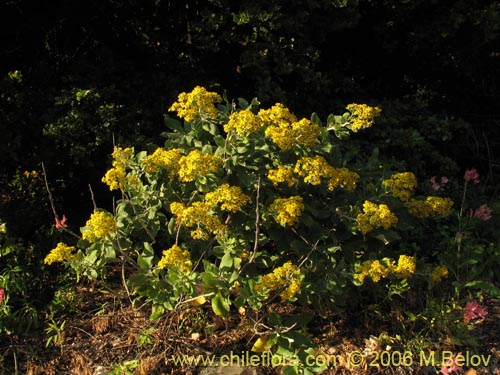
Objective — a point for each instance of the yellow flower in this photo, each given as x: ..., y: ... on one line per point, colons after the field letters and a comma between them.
x: 198, y: 102
x: 439, y: 273
x: 288, y: 276
x: 243, y: 122
x: 401, y: 185
x: 406, y: 267
x: 284, y: 129
x: 313, y: 169
x: 115, y: 178
x: 98, y: 226
x: 175, y: 256
x: 287, y: 210
x: 306, y: 133
x: 431, y: 207
x: 419, y: 209
x: 440, y: 206
x: 198, y: 215
x: 375, y: 216
x: 377, y: 270
x: 362, y: 116
x: 277, y: 115
x: 122, y: 156
x: 342, y: 177
x: 61, y: 253
x: 196, y: 163
x: 163, y: 159
x: 282, y: 174
x: 231, y: 197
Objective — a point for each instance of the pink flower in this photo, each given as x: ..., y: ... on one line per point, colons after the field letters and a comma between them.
x: 474, y: 310
x: 450, y: 367
x: 60, y: 224
x: 483, y: 213
x: 2, y: 293
x: 471, y: 175
x: 435, y: 185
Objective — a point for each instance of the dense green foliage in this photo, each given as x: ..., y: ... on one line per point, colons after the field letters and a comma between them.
x: 78, y: 78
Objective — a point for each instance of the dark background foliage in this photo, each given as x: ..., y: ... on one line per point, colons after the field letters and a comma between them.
x: 98, y: 72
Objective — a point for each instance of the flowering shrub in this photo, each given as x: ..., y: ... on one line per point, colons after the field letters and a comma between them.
x: 243, y: 205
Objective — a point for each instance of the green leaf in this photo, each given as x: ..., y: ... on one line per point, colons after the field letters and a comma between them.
x: 220, y: 140
x: 315, y: 119
x: 220, y: 305
x: 485, y: 286
x: 156, y: 312
x: 173, y: 124
x: 243, y: 104
x: 227, y: 261
x: 145, y: 261
x: 148, y: 249
x: 171, y: 226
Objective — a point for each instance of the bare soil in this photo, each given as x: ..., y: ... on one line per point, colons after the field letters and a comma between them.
x: 107, y: 330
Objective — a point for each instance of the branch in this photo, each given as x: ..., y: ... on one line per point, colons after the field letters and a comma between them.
x: 257, y: 223
x: 53, y: 206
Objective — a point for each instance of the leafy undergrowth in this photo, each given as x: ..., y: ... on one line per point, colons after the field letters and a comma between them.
x: 107, y: 333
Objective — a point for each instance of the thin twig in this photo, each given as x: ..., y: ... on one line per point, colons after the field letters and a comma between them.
x: 52, y: 205
x: 92, y: 198
x: 304, y: 259
x: 490, y: 167
x: 257, y: 223
x: 193, y: 299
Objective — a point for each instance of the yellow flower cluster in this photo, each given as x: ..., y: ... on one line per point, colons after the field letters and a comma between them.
x: 405, y: 268
x: 198, y: 102
x: 243, y: 122
x: 61, y: 253
x: 439, y: 273
x: 116, y: 177
x: 98, y: 226
x: 163, y: 159
x: 282, y: 174
x: 175, y: 256
x: 196, y: 163
x: 375, y: 216
x: 376, y: 269
x: 401, y: 185
x: 284, y: 129
x: 431, y: 207
x: 342, y: 177
x: 373, y: 268
x: 287, y: 210
x: 313, y: 169
x: 277, y: 115
x: 362, y: 116
x: 288, y: 276
x: 231, y: 197
x: 198, y: 215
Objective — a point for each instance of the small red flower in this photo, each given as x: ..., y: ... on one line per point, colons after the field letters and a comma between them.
x: 483, y: 213
x: 450, y: 367
x: 474, y: 310
x: 471, y: 175
x: 436, y: 185
x: 60, y: 224
x: 2, y: 293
